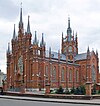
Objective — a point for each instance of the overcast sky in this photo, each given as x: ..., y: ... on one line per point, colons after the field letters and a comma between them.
x: 51, y: 18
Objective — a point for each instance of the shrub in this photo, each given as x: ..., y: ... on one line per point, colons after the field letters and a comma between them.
x: 83, y: 90
x: 73, y: 90
x: 98, y: 91
x: 80, y: 90
x: 60, y: 90
x: 94, y: 90
x: 67, y: 91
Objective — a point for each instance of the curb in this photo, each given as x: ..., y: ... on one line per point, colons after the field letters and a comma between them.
x: 41, y: 100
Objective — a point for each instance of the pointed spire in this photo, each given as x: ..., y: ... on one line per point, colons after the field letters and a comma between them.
x: 21, y: 14
x: 42, y: 41
x: 68, y: 22
x: 58, y: 55
x: 88, y: 50
x: 8, y: 51
x: 69, y: 30
x: 62, y: 35
x: 97, y: 53
x: 21, y: 20
x: 88, y: 53
x: 14, y: 33
x: 73, y: 32
x: 76, y: 36
x: 35, y: 42
x: 50, y: 50
x: 28, y: 26
x: 35, y: 36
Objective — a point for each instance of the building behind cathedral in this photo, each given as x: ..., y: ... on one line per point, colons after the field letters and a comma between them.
x: 33, y: 65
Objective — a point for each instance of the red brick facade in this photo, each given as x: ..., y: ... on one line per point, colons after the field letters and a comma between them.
x: 35, y: 67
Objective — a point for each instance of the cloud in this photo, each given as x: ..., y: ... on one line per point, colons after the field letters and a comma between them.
x: 50, y: 17
x: 8, y: 10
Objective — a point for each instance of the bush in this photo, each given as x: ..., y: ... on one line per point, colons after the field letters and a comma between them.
x: 53, y: 91
x: 98, y: 91
x: 60, y: 90
x: 94, y: 90
x: 67, y: 91
x: 80, y: 90
x: 83, y: 90
x: 73, y: 90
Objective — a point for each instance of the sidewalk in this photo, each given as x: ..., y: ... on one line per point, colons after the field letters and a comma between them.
x: 92, y: 102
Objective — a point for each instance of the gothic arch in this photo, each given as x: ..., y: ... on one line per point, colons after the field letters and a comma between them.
x: 93, y: 74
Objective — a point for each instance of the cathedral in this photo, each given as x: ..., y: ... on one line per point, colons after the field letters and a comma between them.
x: 31, y: 64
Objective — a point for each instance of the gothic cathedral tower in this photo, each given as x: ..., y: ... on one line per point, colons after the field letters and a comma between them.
x: 69, y: 44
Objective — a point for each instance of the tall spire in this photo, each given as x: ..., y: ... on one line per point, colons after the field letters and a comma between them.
x: 35, y: 36
x: 42, y: 41
x: 35, y: 42
x: 21, y: 20
x: 28, y: 26
x: 76, y: 37
x: 8, y: 51
x: 68, y: 22
x: 97, y: 53
x: 62, y: 35
x: 88, y: 50
x: 49, y: 52
x: 73, y: 32
x: 14, y: 33
x: 69, y: 30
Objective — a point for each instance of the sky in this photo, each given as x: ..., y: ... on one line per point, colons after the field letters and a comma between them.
x: 51, y: 18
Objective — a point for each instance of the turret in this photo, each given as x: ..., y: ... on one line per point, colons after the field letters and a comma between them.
x: 28, y: 27
x: 28, y: 34
x: 97, y: 53
x: 21, y: 29
x: 42, y: 44
x: 76, y: 43
x: 14, y: 33
x: 35, y: 41
x: 88, y: 53
x: 62, y: 43
x: 49, y: 52
x: 8, y: 50
x: 69, y: 30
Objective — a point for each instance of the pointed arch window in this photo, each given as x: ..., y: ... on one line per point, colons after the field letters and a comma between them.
x: 70, y: 49
x: 62, y: 74
x: 70, y: 75
x: 54, y: 73
x: 93, y: 74
x: 77, y: 76
x: 46, y: 71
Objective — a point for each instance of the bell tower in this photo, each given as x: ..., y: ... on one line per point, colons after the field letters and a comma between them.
x: 70, y: 43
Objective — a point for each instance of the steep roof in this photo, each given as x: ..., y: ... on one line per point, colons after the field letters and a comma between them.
x: 82, y: 56
x: 55, y: 55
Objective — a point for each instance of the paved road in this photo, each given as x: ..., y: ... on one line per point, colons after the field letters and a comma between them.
x: 10, y: 102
